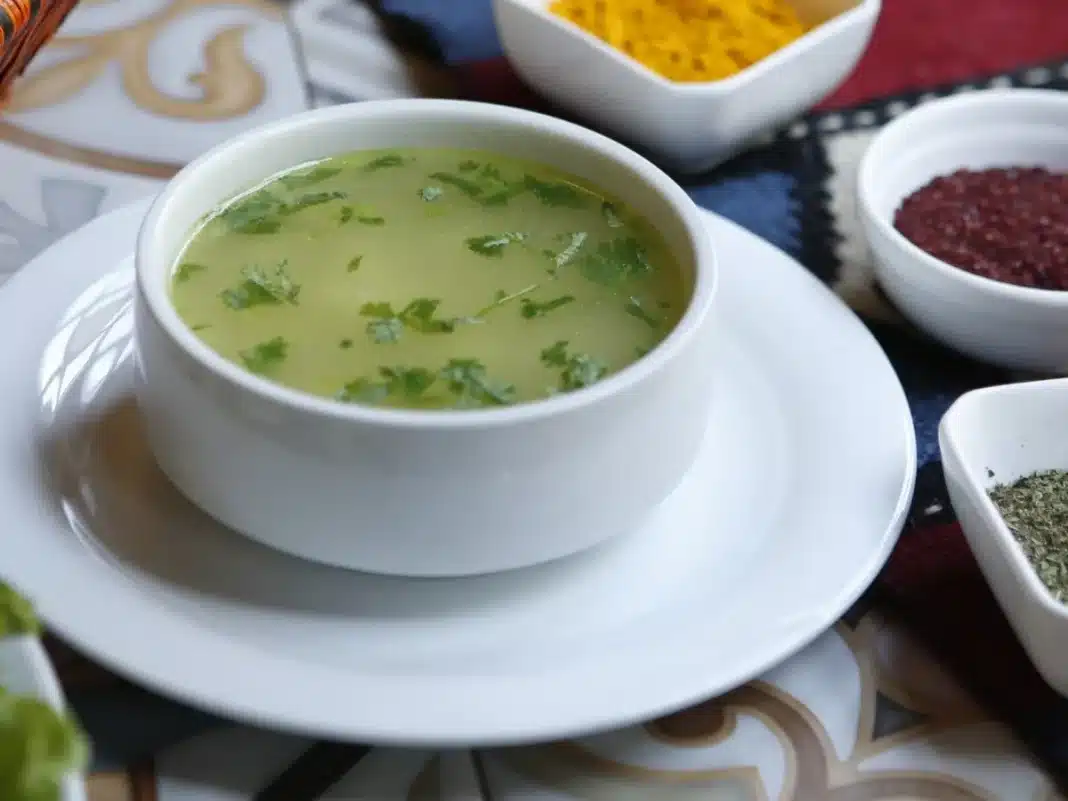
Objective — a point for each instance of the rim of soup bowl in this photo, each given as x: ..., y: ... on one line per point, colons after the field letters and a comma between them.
x: 152, y: 269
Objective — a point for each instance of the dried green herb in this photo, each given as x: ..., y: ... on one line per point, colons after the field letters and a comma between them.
x: 1035, y: 508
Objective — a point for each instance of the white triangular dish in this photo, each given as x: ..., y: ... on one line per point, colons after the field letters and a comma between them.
x: 790, y: 511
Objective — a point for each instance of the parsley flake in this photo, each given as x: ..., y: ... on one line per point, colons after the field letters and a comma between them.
x: 252, y: 214
x: 266, y: 355
x: 532, y: 308
x: 409, y: 383
x: 306, y: 178
x: 552, y: 193
x: 363, y: 390
x: 354, y: 263
x: 635, y: 309
x: 500, y: 298
x: 555, y: 355
x: 582, y: 371
x: 568, y: 254
x: 579, y: 369
x: 385, y: 162
x: 611, y: 215
x: 466, y: 186
x: 367, y: 220
x: 186, y: 270
x: 615, y: 262
x: 385, y: 327
x: 492, y: 245
x: 467, y: 380
x: 387, y: 324
x: 346, y: 214
x: 259, y: 288
x: 345, y: 344
x: 308, y: 200
x: 467, y: 166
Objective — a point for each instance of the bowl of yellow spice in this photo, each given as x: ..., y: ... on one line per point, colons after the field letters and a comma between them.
x: 690, y: 81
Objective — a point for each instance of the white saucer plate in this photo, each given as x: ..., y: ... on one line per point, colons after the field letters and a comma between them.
x: 791, y: 509
x: 25, y: 670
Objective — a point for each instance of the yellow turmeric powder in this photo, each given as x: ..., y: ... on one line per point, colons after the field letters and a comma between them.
x: 688, y: 40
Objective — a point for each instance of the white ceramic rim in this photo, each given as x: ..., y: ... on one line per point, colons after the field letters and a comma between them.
x: 898, y: 129
x: 822, y: 32
x: 698, y: 307
x: 1018, y: 560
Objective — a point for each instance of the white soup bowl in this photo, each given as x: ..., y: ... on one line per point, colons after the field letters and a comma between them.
x: 414, y: 492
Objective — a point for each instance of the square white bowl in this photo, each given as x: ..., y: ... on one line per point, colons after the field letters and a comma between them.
x: 687, y: 126
x: 996, y: 436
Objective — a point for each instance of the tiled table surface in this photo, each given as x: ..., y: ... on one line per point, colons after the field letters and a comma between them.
x: 129, y: 91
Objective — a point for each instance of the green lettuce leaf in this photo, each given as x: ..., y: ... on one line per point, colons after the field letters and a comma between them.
x: 16, y: 614
x: 39, y: 748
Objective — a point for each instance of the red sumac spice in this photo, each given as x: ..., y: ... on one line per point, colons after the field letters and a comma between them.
x: 1008, y: 224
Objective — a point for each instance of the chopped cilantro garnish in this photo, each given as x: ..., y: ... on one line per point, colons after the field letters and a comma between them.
x: 354, y: 263
x: 410, y: 383
x: 369, y: 220
x: 308, y: 200
x: 306, y: 178
x: 501, y: 197
x: 345, y: 344
x: 186, y: 270
x: 532, y: 308
x: 385, y: 162
x: 579, y: 369
x: 611, y: 215
x: 555, y: 355
x: 468, y: 166
x: 552, y: 193
x: 266, y: 355
x: 385, y: 327
x: 467, y: 380
x: 615, y: 262
x: 431, y: 193
x: 259, y: 212
x: 468, y: 187
x: 346, y: 214
x: 501, y: 297
x: 252, y: 214
x: 201, y: 326
x: 419, y: 316
x: 258, y: 288
x: 363, y: 390
x: 493, y: 245
x: 488, y: 187
x: 582, y: 371
x: 575, y: 242
x: 388, y: 324
x: 635, y: 309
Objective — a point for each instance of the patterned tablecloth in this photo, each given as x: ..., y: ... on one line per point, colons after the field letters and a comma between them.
x: 129, y: 91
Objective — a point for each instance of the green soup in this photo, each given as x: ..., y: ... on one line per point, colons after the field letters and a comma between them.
x: 428, y: 278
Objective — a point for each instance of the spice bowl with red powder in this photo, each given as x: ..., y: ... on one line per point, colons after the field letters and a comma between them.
x: 965, y: 205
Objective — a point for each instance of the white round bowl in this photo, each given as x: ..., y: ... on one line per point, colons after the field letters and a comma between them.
x: 1006, y: 325
x: 421, y: 493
